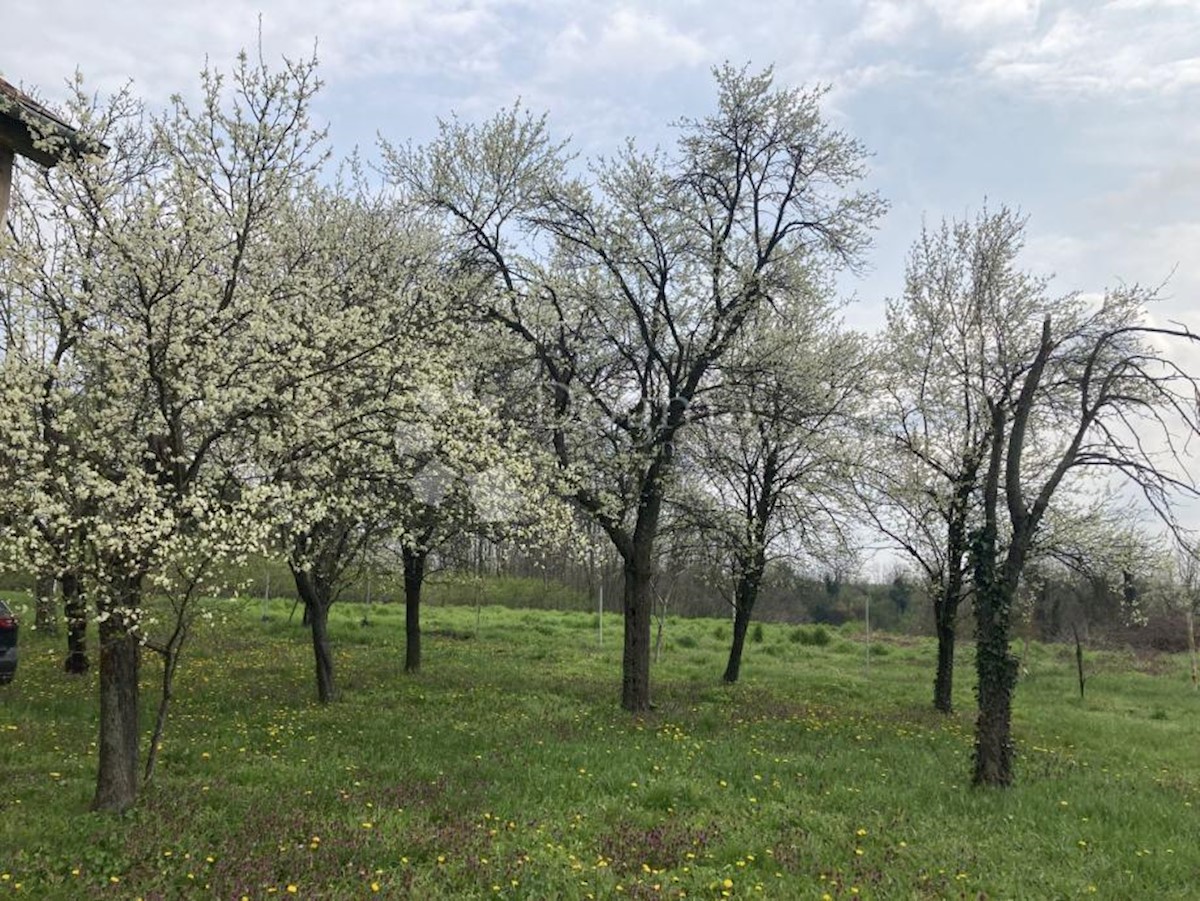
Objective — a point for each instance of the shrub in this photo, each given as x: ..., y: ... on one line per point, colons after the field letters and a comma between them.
x: 817, y: 636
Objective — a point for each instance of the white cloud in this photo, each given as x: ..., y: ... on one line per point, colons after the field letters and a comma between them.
x: 887, y: 21
x: 984, y: 16
x: 1114, y: 253
x: 1166, y: 192
x: 1115, y: 51
x: 162, y: 47
x: 626, y: 40
x: 895, y: 22
x: 373, y: 37
x: 864, y: 77
x: 1152, y: 4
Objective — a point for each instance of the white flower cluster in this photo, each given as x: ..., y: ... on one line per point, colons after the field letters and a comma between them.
x: 212, y: 346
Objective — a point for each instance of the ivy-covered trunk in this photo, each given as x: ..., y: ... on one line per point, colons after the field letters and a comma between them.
x: 996, y: 668
x: 414, y: 578
x: 120, y: 653
x: 995, y: 591
x: 997, y: 671
x: 996, y: 582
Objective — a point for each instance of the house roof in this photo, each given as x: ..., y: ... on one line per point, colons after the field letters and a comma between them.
x: 28, y: 128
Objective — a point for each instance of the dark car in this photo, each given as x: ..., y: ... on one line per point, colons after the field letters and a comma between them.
x: 8, y: 644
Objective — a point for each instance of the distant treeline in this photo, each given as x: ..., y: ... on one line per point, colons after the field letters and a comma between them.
x: 1095, y: 608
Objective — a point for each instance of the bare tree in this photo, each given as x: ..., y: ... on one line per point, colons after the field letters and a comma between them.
x: 1098, y: 392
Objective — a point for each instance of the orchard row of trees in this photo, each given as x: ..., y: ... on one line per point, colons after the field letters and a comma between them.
x: 216, y: 343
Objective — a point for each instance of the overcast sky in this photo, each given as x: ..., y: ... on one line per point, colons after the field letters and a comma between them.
x: 1084, y: 115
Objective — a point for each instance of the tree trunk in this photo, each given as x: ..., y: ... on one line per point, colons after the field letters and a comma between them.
x: 117, y: 778
x: 744, y: 597
x: 316, y: 610
x: 943, y: 681
x: 637, y: 552
x: 76, y: 662
x: 414, y: 578
x: 170, y: 664
x: 322, y: 652
x: 994, y: 595
x: 947, y: 596
x: 635, y: 663
x: 661, y: 616
x: 997, y: 669
x: 741, y: 621
x: 45, y: 616
x: 1079, y: 660
x: 1054, y: 622
x: 1191, y: 637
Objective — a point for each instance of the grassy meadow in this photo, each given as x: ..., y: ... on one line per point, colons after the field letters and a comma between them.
x: 507, y: 770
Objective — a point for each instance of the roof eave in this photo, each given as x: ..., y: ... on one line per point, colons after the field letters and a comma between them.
x: 31, y: 131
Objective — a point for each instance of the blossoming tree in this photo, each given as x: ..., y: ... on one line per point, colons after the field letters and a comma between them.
x: 628, y: 287
x: 165, y: 282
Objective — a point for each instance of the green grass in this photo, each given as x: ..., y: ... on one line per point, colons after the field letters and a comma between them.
x: 263, y: 576
x: 506, y: 770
